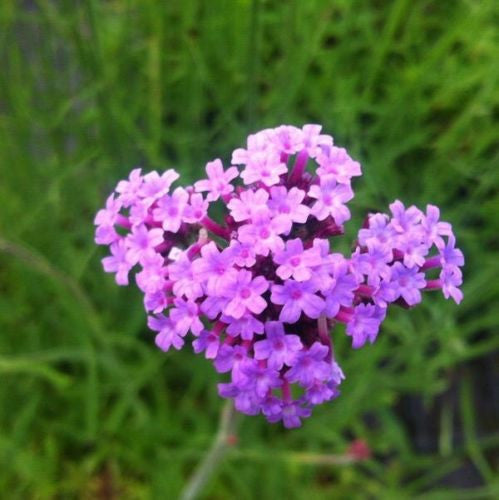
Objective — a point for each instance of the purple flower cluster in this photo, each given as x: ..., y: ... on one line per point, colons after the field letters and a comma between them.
x: 261, y: 290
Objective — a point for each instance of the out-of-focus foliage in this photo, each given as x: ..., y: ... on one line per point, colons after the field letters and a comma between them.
x: 89, y: 89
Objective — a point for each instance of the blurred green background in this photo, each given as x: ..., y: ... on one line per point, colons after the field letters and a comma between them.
x: 89, y: 89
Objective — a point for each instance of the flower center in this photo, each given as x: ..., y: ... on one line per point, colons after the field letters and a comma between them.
x: 295, y: 261
x: 278, y: 345
x: 245, y: 293
x: 296, y: 294
x: 264, y: 233
x: 172, y: 211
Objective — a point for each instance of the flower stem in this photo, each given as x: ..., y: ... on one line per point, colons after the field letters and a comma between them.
x: 215, y: 455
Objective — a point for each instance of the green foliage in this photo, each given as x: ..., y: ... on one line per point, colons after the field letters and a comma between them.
x: 89, y: 89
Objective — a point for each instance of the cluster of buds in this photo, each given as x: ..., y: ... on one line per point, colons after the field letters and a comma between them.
x: 261, y: 289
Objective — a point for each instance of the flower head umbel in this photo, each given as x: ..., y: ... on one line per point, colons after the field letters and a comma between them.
x: 259, y: 292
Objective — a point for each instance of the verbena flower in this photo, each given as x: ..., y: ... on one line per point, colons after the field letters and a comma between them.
x: 260, y: 290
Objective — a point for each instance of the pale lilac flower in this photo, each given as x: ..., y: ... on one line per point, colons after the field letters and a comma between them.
x: 364, y: 324
x: 373, y: 263
x: 142, y: 241
x: 341, y: 291
x: 433, y: 227
x: 403, y: 219
x: 218, y: 182
x: 296, y: 262
x: 295, y: 298
x: 154, y: 186
x: 170, y: 209
x: 244, y: 294
x: 264, y: 167
x: 331, y: 199
x: 264, y: 234
x: 243, y: 254
x: 207, y: 342
x: 310, y: 365
x: 247, y: 204
x: 407, y: 282
x: 450, y: 256
x: 117, y: 262
x: 213, y: 267
x: 336, y: 163
x: 167, y: 335
x: 291, y: 415
x: 245, y: 326
x: 185, y: 317
x: 196, y: 210
x: 129, y: 189
x: 278, y: 348
x: 289, y: 203
x: 105, y: 220
x: 184, y: 283
x: 451, y: 278
x: 152, y: 278
x: 377, y: 232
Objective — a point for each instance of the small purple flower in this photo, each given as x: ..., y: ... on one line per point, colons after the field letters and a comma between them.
x: 310, y: 365
x: 117, y: 262
x: 451, y: 278
x: 218, y: 182
x: 341, y: 291
x: 278, y: 348
x: 213, y: 267
x: 128, y: 190
x: 244, y: 294
x: 373, y: 263
x: 262, y: 379
x: 243, y: 254
x: 167, y: 335
x: 364, y: 324
x: 196, y: 210
x: 152, y: 278
x: 245, y: 327
x: 291, y: 415
x: 336, y: 163
x: 142, y: 241
x: 184, y: 283
x: 170, y: 209
x: 154, y: 186
x: 450, y: 256
x: 407, y: 282
x: 264, y: 234
x: 207, y: 342
x: 265, y: 167
x: 105, y: 220
x: 433, y: 227
x: 403, y: 219
x: 378, y: 232
x: 247, y: 204
x: 297, y: 297
x: 185, y: 317
x: 289, y: 203
x: 296, y: 262
x: 331, y: 199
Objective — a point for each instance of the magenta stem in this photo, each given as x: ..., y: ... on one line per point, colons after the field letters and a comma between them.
x: 123, y: 221
x: 286, y: 391
x: 215, y: 228
x: 299, y: 167
x: 324, y: 335
x: 431, y: 263
x: 365, y: 291
x: 433, y: 285
x: 344, y: 315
